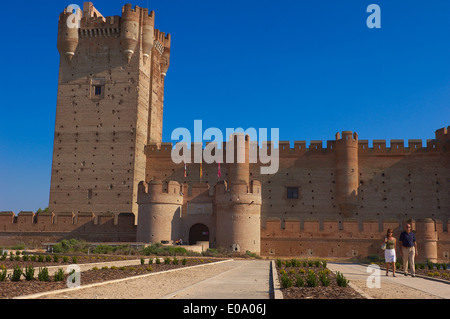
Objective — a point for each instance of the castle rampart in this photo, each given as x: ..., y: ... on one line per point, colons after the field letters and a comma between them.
x: 347, y: 238
x: 29, y: 227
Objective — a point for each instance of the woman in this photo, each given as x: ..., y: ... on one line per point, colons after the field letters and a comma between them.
x: 389, y: 253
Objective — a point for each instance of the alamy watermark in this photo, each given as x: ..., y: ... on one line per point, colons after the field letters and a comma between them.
x: 212, y: 153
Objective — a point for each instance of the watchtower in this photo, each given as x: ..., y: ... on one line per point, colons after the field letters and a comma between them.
x: 109, y: 106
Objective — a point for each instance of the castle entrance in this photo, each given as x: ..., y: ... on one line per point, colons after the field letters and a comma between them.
x: 198, y: 232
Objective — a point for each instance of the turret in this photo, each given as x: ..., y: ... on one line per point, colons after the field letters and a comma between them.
x: 129, y: 30
x: 426, y: 236
x: 165, y: 59
x: 147, y: 33
x: 159, y: 214
x: 238, y: 204
x: 239, y: 169
x: 68, y: 32
x: 347, y: 175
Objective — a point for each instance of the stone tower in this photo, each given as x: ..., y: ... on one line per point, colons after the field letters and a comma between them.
x: 347, y: 176
x: 238, y: 203
x: 109, y: 107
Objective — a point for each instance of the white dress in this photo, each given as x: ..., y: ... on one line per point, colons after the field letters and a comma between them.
x: 389, y: 256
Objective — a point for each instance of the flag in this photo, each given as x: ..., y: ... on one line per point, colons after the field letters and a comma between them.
x: 201, y: 171
x: 185, y: 170
x: 219, y: 172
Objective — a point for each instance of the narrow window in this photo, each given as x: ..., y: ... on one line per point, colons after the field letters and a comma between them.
x: 98, y: 90
x: 292, y: 192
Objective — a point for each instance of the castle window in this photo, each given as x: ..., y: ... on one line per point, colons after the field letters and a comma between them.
x: 292, y: 192
x: 98, y: 90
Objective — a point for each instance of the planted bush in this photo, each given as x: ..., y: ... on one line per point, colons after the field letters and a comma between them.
x: 59, y: 275
x: 279, y: 263
x: 311, y: 279
x: 29, y: 273
x: 3, y: 275
x: 43, y: 274
x: 17, y: 273
x: 286, y: 282
x: 341, y: 280
x: 300, y: 281
x: 324, y: 279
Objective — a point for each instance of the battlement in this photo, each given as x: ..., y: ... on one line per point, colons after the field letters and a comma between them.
x: 153, y: 192
x: 368, y: 228
x: 64, y: 221
x: 379, y: 147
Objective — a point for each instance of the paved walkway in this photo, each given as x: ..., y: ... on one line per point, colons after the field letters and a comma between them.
x: 229, y: 279
x: 363, y: 279
x: 247, y: 279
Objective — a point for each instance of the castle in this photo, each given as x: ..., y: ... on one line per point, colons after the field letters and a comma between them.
x: 113, y: 180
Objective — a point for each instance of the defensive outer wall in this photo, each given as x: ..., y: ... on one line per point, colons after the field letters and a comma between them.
x: 393, y: 185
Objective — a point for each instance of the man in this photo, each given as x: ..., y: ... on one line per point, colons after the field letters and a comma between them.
x: 409, y: 249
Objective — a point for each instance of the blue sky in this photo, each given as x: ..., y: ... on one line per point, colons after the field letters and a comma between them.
x: 309, y: 68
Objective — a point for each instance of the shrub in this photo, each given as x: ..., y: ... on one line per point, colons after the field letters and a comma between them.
x: 65, y: 259
x: 17, y: 273
x: 311, y: 279
x: 149, y: 268
x: 55, y: 258
x: 167, y: 260
x: 3, y: 275
x: 33, y: 258
x: 150, y: 261
x: 113, y: 267
x: 317, y: 263
x: 302, y: 271
x: 324, y: 279
x: 43, y: 274
x: 398, y: 265
x: 288, y: 263
x: 292, y: 271
x: 29, y: 273
x: 283, y: 272
x: 184, y: 261
x: 142, y: 261
x: 74, y: 259
x: 341, y: 280
x: 444, y: 266
x: 59, y: 275
x: 438, y: 266
x: 95, y: 268
x: 175, y: 261
x: 324, y: 263
x: 286, y: 282
x: 40, y: 258
x: 279, y: 263
x: 310, y: 263
x: 300, y: 282
x: 157, y: 261
x: 25, y: 257
x: 3, y: 257
x: 429, y: 264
